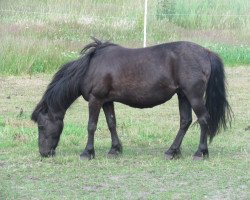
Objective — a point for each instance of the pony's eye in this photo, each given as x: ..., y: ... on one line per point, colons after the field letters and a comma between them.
x: 41, y: 127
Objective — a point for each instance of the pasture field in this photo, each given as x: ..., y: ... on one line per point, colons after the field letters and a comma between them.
x: 141, y: 172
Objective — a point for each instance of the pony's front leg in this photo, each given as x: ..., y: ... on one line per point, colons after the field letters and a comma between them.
x: 116, y: 146
x: 94, y: 110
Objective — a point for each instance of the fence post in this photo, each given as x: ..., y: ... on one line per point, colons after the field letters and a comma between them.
x: 145, y: 24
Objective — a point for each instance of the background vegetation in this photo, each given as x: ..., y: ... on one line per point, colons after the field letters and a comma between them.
x: 38, y: 36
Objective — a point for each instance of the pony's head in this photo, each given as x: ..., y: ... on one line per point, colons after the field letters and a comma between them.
x: 50, y: 126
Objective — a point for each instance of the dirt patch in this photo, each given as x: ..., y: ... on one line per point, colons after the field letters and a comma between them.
x: 33, y: 178
x: 92, y: 188
x: 19, y: 138
x: 17, y: 28
x: 117, y: 178
x: 2, y: 164
x: 18, y: 94
x: 219, y: 36
x: 229, y: 192
x: 19, y: 123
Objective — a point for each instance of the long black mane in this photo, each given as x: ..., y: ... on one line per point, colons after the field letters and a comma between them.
x: 64, y: 87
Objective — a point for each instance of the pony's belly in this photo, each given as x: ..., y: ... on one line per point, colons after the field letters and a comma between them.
x: 146, y: 101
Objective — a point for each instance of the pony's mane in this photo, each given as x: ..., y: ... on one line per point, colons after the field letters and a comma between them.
x: 95, y: 45
x: 64, y: 87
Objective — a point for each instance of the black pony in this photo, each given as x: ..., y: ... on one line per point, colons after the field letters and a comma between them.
x: 141, y: 78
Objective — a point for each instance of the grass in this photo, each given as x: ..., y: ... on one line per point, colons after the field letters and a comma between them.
x: 38, y: 36
x: 141, y: 172
x: 205, y: 14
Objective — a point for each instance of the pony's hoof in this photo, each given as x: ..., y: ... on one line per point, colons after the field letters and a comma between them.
x: 87, y: 155
x: 172, y: 154
x: 169, y: 157
x: 201, y: 155
x: 114, y: 153
x: 198, y: 158
x: 83, y: 157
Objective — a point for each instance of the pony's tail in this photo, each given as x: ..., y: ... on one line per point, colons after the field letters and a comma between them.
x: 216, y: 98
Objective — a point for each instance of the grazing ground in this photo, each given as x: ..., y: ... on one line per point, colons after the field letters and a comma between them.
x: 141, y: 172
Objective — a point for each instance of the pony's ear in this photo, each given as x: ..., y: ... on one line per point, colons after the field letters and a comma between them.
x: 34, y: 115
x: 40, y: 108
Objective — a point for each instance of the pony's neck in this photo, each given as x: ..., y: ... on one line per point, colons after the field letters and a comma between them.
x: 56, y: 115
x: 60, y: 108
x: 58, y: 112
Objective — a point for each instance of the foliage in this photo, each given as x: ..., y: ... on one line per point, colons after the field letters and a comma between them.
x: 224, y: 14
x: 39, y: 36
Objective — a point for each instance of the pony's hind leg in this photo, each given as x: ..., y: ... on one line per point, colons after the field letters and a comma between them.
x: 116, y: 146
x: 202, y: 114
x: 94, y: 110
x: 185, y: 121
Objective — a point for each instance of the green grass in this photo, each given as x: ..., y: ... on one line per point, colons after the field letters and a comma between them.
x: 39, y: 36
x: 141, y: 172
x: 223, y: 14
x: 232, y: 55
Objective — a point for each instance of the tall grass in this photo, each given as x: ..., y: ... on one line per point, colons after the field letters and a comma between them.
x: 206, y: 14
x: 39, y: 36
